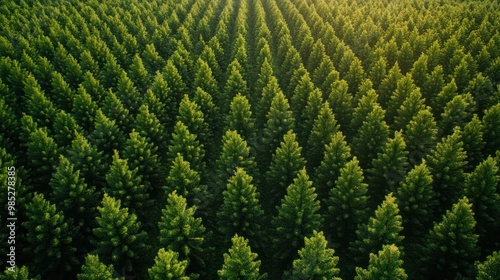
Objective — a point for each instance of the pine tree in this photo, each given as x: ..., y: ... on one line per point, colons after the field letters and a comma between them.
x: 48, y: 234
x: 211, y: 113
x: 106, y: 136
x: 84, y: 110
x: 38, y: 105
x: 180, y: 231
x: 383, y: 228
x: 186, y: 182
x: 240, y: 118
x: 148, y: 126
x: 389, y: 85
x: 420, y: 70
x: 114, y: 109
x: 405, y: 87
x: 240, y: 262
x: 93, y: 87
x: 491, y: 124
x: 269, y: 92
x: 472, y: 137
x: 416, y: 200
x: 309, y: 115
x: 408, y: 109
x: 435, y: 82
x: 19, y: 273
x: 61, y: 92
x: 279, y: 122
x: 42, y: 152
x: 337, y: 153
x: 481, y: 188
x: 65, y: 129
x: 301, y: 93
x: 241, y: 212
x: 371, y: 137
x: 119, y: 239
x: 446, y: 162
x: 388, y: 169
x: 316, y: 260
x: 297, y: 218
x: 138, y: 74
x: 74, y: 197
x: 451, y: 246
x: 438, y: 103
x: 94, y: 269
x: 347, y: 205
x: 167, y: 266
x: 420, y: 136
x: 340, y: 100
x: 324, y: 128
x: 126, y: 185
x: 365, y: 105
x: 205, y: 80
x: 456, y: 113
x: 490, y: 268
x: 235, y: 84
x: 175, y: 82
x: 165, y: 94
x: 185, y: 143
x: 387, y: 264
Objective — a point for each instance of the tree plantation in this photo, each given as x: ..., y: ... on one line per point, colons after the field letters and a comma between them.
x: 250, y: 139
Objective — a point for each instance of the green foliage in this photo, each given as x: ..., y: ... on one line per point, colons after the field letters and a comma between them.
x: 94, y: 269
x: 420, y: 135
x: 297, y: 218
x: 240, y: 262
x: 491, y: 124
x: 119, y: 239
x: 241, y: 212
x: 49, y: 234
x: 106, y: 136
x: 167, y: 266
x: 180, y: 231
x: 18, y: 274
x: 240, y: 118
x: 42, y: 152
x: 316, y: 260
x: 451, y: 246
x: 185, y: 143
x: 387, y: 264
x: 490, y: 268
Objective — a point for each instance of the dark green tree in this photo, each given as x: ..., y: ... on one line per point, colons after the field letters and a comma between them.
x: 340, y: 100
x: 416, y: 200
x: 94, y: 269
x: 472, y: 137
x: 383, y: 228
x: 114, y: 109
x: 139, y: 74
x: 61, y: 92
x: 180, y: 231
x: 491, y: 124
x: 106, y: 136
x: 420, y: 136
x: 456, y: 113
x: 451, y: 246
x: 490, y: 268
x: 240, y: 262
x: 408, y: 109
x: 65, y: 129
x: 240, y: 118
x: 297, y: 218
x: 149, y: 126
x: 167, y: 266
x: 315, y: 261
x: 235, y: 84
x: 347, y: 205
x: 84, y: 110
x: 185, y: 143
x: 388, y: 169
x: 42, y: 153
x: 118, y: 239
x: 48, y: 234
x: 365, y: 105
x: 447, y: 93
x: 19, y: 273
x: 38, y: 105
x: 387, y: 264
x: 241, y: 212
x: 446, y: 162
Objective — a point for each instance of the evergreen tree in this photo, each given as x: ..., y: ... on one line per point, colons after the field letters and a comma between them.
x: 340, y: 100
x: 309, y: 115
x: 435, y: 82
x: 93, y: 87
x: 191, y: 115
x: 420, y: 136
x: 383, y: 228
x: 389, y: 85
x: 451, y: 246
x: 446, y: 162
x: 472, y: 137
x: 94, y: 269
x: 240, y: 118
x: 490, y: 268
x: 337, y: 153
x: 269, y: 92
x: 186, y: 182
x: 65, y: 129
x: 416, y: 200
x: 148, y: 126
x: 240, y: 262
x: 166, y: 95
x: 404, y: 89
x: 316, y: 261
x: 204, y: 79
x: 42, y: 152
x: 61, y: 92
x: 211, y: 113
x: 388, y: 169
x: 235, y: 84
x: 119, y: 239
x: 138, y: 74
x: 297, y: 218
x: 38, y: 105
x: 481, y: 188
x: 438, y: 103
x: 19, y: 273
x: 48, y: 234
x: 301, y: 93
x: 365, y: 105
x: 324, y: 128
x: 180, y: 231
x: 279, y: 122
x: 347, y: 205
x: 106, y: 136
x: 456, y: 113
x: 126, y: 185
x: 371, y: 137
x: 84, y: 110
x: 387, y: 264
x: 491, y: 124
x: 409, y: 108
x: 167, y: 266
x: 185, y: 143
x: 285, y: 165
x: 241, y: 212
x: 175, y: 82
x: 114, y: 109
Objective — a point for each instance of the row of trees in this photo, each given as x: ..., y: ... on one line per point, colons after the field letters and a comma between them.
x: 246, y: 138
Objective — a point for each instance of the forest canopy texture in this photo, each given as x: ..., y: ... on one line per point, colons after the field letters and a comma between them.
x: 250, y: 139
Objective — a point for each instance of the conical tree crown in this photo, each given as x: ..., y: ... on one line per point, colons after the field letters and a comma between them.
x: 240, y: 262
x: 387, y: 264
x: 94, y: 269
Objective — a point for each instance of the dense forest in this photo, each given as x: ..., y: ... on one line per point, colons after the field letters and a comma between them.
x: 250, y: 139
